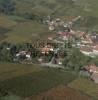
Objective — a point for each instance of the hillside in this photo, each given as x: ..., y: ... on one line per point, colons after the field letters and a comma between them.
x: 17, y: 25
x: 58, y: 7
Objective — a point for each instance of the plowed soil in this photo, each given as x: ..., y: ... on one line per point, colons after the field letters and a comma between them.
x: 61, y: 93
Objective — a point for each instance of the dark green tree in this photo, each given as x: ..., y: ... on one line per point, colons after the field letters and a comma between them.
x: 75, y: 60
x: 7, y: 6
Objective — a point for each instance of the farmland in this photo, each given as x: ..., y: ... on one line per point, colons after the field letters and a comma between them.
x: 85, y: 86
x: 18, y: 30
x: 61, y: 92
x: 33, y: 82
x: 27, y: 80
x: 25, y: 32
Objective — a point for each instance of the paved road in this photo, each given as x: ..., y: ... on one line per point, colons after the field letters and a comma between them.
x: 52, y: 65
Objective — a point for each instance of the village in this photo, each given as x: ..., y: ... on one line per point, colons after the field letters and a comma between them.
x: 87, y: 43
x: 51, y: 52
x: 48, y: 50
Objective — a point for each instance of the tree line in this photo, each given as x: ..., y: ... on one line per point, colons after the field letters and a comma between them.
x: 8, y: 51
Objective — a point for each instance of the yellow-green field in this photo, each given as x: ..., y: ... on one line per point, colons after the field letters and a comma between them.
x: 86, y: 86
x: 19, y: 32
x: 8, y: 71
x: 6, y: 22
x: 25, y: 32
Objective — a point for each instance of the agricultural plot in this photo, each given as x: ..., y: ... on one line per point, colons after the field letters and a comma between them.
x: 86, y: 86
x: 8, y: 71
x: 28, y: 80
x: 25, y: 32
x: 16, y: 29
x: 89, y: 6
x: 6, y: 22
x: 58, y: 7
x: 61, y: 92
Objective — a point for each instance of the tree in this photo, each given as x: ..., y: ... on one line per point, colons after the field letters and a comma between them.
x: 7, y: 6
x: 75, y: 60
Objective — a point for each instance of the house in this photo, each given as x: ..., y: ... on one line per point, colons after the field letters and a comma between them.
x: 94, y: 38
x: 50, y: 38
x: 86, y: 50
x: 58, y: 19
x: 94, y: 77
x: 84, y: 73
x: 8, y: 48
x: 60, y: 61
x: 94, y: 35
x: 92, y: 69
x: 21, y: 53
x: 51, y: 28
x: 24, y: 54
x: 90, y: 49
x: 95, y: 50
x: 40, y: 60
x: 87, y: 41
x: 93, y: 45
x: 80, y: 34
x: 47, y: 49
x: 28, y: 55
x: 63, y: 33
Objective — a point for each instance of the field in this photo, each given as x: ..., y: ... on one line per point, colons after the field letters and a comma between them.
x: 8, y: 71
x: 30, y: 80
x: 17, y: 30
x: 25, y: 32
x: 33, y: 82
x: 61, y: 92
x: 86, y: 86
x: 58, y: 7
x: 6, y: 22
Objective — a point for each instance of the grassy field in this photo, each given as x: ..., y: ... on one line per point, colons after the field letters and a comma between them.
x: 8, y: 71
x: 17, y: 29
x: 85, y: 86
x: 58, y: 7
x: 24, y: 32
x: 6, y: 22
x: 27, y: 80
x: 89, y: 6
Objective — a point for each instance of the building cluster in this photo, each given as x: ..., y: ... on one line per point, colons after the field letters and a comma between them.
x: 89, y: 45
x: 56, y: 23
x: 53, y: 47
x: 87, y: 42
x: 23, y: 57
x: 92, y: 71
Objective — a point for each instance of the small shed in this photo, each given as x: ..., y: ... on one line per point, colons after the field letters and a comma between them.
x: 84, y: 73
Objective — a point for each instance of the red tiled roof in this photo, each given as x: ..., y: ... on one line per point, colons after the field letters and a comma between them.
x: 91, y: 68
x: 63, y: 33
x: 87, y: 49
x: 94, y: 76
